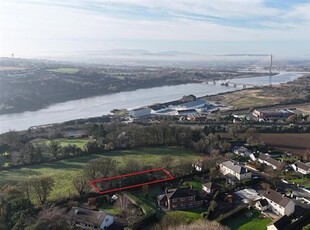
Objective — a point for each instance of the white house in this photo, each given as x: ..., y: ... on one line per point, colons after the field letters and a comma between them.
x: 210, y: 187
x: 278, y: 203
x: 280, y: 223
x: 303, y: 168
x: 89, y: 219
x: 230, y: 168
x: 264, y: 159
x: 140, y: 112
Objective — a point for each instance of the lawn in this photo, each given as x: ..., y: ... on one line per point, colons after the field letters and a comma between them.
x: 301, y: 181
x: 186, y: 216
x: 80, y: 143
x: 111, y: 209
x: 65, y: 70
x: 193, y: 184
x: 242, y: 222
x: 64, y: 170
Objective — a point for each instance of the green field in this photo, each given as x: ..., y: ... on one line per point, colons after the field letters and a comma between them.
x: 65, y: 70
x: 186, y: 216
x: 242, y: 222
x: 64, y: 170
x: 80, y: 143
x: 301, y: 181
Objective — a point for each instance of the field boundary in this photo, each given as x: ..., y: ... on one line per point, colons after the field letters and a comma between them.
x: 92, y: 183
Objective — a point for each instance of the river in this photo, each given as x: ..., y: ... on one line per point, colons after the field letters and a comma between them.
x: 101, y: 105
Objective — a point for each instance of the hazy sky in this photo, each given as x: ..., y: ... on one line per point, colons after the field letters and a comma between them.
x: 64, y: 27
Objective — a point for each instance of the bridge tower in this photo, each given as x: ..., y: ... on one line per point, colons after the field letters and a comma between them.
x: 270, y: 72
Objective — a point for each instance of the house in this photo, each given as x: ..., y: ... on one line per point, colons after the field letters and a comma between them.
x: 241, y: 151
x: 198, y: 166
x: 210, y: 187
x: 230, y: 168
x: 179, y: 199
x: 89, y: 219
x: 278, y: 203
x: 140, y: 112
x: 264, y: 159
x: 261, y: 205
x: 303, y: 168
x: 280, y: 223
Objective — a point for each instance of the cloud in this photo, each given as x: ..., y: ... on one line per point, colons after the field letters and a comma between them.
x: 33, y: 26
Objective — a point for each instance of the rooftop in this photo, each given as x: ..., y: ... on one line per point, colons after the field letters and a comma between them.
x: 235, y: 167
x: 303, y: 166
x: 276, y: 197
x: 179, y: 192
x: 87, y: 216
x: 281, y: 222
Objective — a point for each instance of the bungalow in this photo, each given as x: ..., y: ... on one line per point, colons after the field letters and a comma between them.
x: 303, y: 168
x: 241, y: 151
x: 89, y: 219
x: 264, y: 159
x: 210, y: 187
x: 280, y: 223
x: 179, y: 199
x: 278, y: 203
x: 230, y: 168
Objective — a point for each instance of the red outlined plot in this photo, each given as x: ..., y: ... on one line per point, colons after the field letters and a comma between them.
x: 97, y: 189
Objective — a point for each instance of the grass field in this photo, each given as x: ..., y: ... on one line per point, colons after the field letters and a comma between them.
x: 296, y: 143
x: 63, y: 171
x: 65, y: 142
x: 242, y: 222
x: 247, y: 99
x: 65, y: 70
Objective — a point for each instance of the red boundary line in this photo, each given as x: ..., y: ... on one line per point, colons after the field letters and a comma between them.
x: 92, y: 182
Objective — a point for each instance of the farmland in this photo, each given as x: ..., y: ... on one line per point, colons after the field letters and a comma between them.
x: 296, y: 143
x: 64, y: 170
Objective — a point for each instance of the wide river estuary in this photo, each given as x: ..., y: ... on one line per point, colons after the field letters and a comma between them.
x: 100, y: 105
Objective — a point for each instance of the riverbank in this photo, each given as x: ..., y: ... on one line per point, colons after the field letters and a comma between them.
x: 101, y: 105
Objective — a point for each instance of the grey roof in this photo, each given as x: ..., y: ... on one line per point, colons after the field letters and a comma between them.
x: 235, y: 167
x: 282, y: 222
x: 178, y: 193
x: 87, y: 216
x: 303, y: 166
x: 194, y: 103
x: 275, y: 162
x: 276, y: 197
x: 262, y: 156
x: 211, y: 185
x: 270, y: 160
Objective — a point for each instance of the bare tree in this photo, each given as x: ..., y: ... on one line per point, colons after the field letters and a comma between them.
x: 79, y: 183
x: 42, y: 186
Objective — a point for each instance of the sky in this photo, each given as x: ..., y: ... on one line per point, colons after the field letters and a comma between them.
x: 38, y: 28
